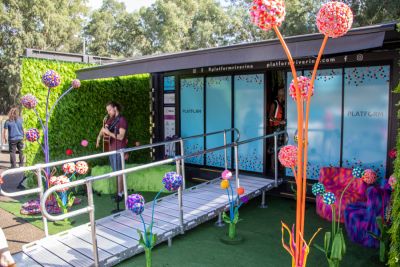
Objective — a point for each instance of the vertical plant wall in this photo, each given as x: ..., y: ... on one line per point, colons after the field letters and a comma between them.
x: 79, y: 115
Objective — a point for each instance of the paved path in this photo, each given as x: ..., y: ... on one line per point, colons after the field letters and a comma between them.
x: 18, y: 232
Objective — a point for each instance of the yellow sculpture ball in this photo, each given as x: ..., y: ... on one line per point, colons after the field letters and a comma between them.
x: 224, y: 184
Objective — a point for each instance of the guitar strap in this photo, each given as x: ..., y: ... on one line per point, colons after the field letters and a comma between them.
x: 111, y: 128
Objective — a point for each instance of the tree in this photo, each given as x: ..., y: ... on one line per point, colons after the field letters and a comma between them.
x: 103, y: 26
x: 40, y: 24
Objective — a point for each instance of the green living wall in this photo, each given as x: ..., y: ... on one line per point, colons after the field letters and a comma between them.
x: 79, y: 115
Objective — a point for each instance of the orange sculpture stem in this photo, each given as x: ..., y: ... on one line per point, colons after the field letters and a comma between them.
x: 298, y: 240
x: 311, y: 87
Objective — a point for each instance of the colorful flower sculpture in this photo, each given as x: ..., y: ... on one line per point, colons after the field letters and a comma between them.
x: 172, y: 181
x: 333, y: 20
x: 81, y: 167
x: 50, y: 79
x: 267, y: 14
x: 288, y: 156
x: 32, y: 135
x: 369, y: 176
x: 304, y: 87
x: 392, y: 181
x: 76, y: 84
x: 334, y: 244
x: 69, y: 168
x: 318, y: 189
x: 29, y: 101
x: 234, y: 204
x: 357, y: 172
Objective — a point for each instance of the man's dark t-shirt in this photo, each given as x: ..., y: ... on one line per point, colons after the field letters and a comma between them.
x: 15, y: 129
x: 122, y: 123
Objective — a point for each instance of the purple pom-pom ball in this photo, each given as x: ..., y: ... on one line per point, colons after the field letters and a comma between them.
x: 51, y: 79
x: 135, y: 203
x: 226, y: 174
x: 76, y: 83
x: 32, y: 135
x: 172, y: 181
x: 29, y: 101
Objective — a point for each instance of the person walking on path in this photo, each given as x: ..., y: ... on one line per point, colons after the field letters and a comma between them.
x: 14, y: 130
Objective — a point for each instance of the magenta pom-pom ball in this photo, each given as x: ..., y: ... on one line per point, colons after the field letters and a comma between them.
x: 226, y: 174
x: 288, y: 156
x: 369, y: 176
x: 84, y: 143
x: 334, y: 19
x: 304, y: 86
x: 267, y: 13
x: 29, y: 101
x: 51, y: 79
x: 32, y: 135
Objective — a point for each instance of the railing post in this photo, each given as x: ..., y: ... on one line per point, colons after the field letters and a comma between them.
x: 40, y: 185
x: 236, y: 151
x: 180, y: 202
x: 183, y: 164
x: 276, y: 158
x: 122, y: 154
x: 92, y: 223
x: 225, y: 151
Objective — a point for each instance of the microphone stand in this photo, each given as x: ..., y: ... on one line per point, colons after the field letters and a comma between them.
x: 117, y: 200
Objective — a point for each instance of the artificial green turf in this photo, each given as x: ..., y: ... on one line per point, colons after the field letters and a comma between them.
x: 144, y: 180
x: 201, y: 246
x: 261, y: 229
x: 104, y: 205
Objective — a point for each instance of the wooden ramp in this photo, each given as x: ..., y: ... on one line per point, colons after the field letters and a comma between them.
x: 117, y: 236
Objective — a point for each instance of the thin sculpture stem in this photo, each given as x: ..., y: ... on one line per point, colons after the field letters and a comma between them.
x: 310, y: 89
x: 299, y: 221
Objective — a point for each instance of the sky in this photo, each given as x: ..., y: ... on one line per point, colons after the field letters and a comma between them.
x: 131, y: 5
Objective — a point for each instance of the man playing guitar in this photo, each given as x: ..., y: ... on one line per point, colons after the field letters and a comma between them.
x: 114, y: 129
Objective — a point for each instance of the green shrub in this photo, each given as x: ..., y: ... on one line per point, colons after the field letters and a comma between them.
x: 148, y: 180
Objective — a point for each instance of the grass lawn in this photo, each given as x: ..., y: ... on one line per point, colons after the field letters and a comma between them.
x: 201, y: 246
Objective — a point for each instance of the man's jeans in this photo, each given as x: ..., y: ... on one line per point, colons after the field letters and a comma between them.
x: 14, y: 145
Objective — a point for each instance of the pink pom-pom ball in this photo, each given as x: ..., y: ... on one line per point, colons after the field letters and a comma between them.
x: 84, y: 143
x: 51, y: 79
x: 29, y: 101
x: 288, y: 156
x: 392, y: 181
x: 76, y: 83
x: 226, y: 175
x: 369, y: 176
x: 267, y: 13
x: 54, y: 180
x: 304, y: 86
x: 334, y: 19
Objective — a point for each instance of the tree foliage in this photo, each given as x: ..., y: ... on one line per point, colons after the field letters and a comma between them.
x: 165, y: 26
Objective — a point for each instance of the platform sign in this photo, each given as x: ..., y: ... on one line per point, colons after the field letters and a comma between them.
x: 192, y: 116
x: 366, y: 101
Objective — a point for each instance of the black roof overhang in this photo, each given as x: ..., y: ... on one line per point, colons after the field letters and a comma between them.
x: 300, y: 46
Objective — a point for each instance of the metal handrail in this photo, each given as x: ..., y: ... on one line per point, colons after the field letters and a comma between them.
x: 98, y: 155
x: 89, y: 180
x: 39, y: 167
